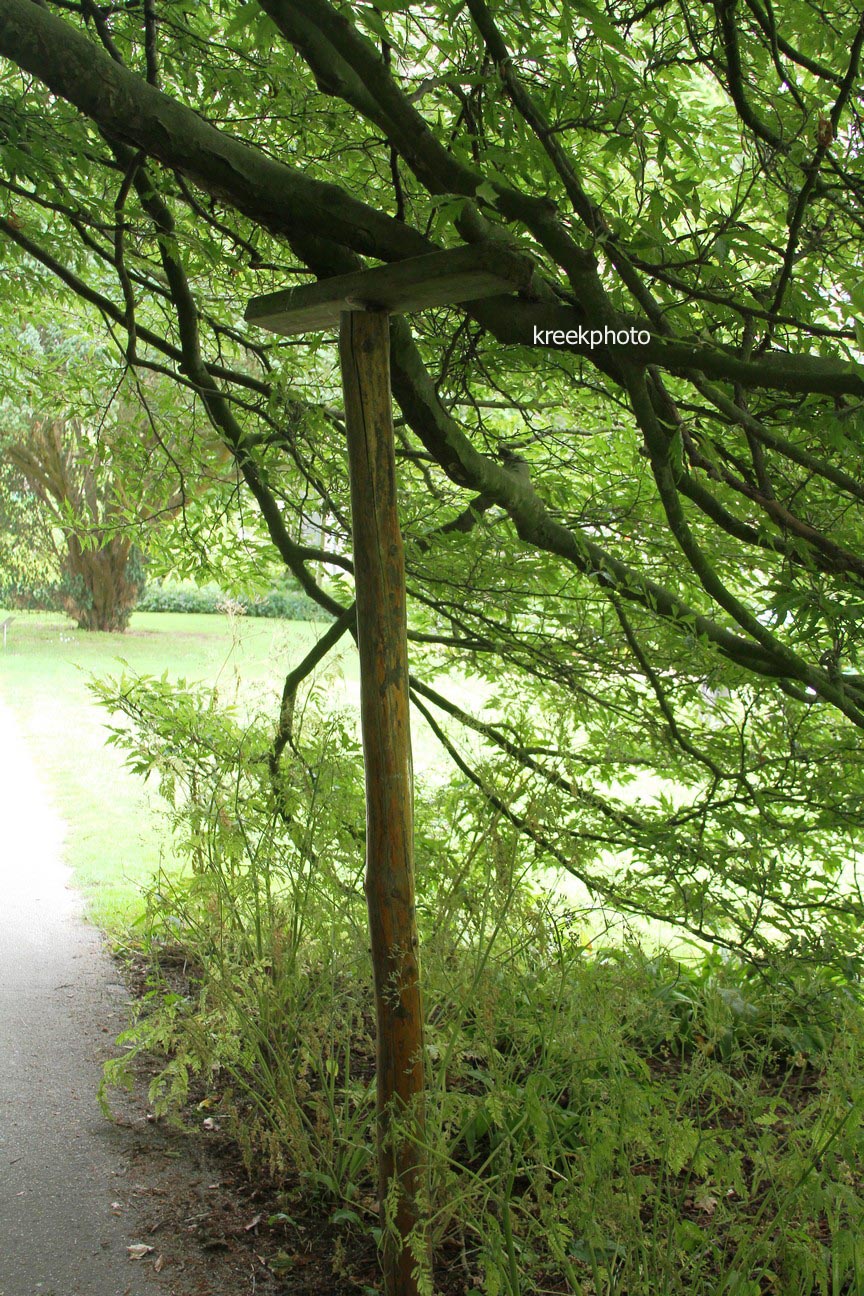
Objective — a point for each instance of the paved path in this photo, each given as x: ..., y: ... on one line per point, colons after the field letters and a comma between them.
x: 64, y: 1190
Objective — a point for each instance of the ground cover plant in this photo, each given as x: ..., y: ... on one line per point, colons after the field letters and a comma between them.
x: 599, y: 1118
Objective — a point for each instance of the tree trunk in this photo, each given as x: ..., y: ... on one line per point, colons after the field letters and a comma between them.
x: 60, y: 465
x: 101, y: 586
x: 379, y: 571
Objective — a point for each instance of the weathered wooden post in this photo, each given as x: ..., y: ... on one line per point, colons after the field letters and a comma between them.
x: 362, y: 303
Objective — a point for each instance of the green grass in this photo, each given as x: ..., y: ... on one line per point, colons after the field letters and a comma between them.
x: 116, y: 831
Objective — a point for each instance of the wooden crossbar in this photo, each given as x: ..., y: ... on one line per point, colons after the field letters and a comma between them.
x: 463, y: 274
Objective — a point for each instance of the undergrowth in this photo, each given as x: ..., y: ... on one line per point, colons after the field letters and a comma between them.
x: 600, y: 1120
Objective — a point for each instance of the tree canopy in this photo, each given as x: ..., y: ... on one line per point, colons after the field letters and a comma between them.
x: 648, y: 550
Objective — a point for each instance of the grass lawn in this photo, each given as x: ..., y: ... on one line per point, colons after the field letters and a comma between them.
x: 115, y: 828
x: 115, y: 835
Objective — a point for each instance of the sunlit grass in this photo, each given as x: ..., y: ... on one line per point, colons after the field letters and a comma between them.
x: 116, y: 831
x: 117, y: 835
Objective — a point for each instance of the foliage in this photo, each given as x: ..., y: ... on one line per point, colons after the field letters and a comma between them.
x: 597, y: 1118
x: 645, y: 556
x: 28, y: 566
x: 30, y: 594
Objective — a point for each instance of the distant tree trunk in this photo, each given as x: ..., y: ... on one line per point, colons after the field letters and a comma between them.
x: 65, y: 471
x: 101, y: 586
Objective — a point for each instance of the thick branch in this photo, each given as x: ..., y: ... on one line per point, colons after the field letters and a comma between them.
x: 127, y: 108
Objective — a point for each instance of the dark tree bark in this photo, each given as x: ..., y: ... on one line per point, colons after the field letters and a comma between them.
x: 101, y: 586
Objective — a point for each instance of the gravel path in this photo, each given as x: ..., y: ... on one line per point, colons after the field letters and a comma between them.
x: 66, y: 1196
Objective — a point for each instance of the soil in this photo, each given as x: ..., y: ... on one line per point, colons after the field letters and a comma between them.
x: 215, y: 1231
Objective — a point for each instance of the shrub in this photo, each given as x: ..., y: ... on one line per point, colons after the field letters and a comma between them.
x: 31, y: 597
x: 598, y: 1120
x: 290, y: 604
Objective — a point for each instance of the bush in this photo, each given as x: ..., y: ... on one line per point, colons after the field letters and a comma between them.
x: 289, y: 603
x: 597, y: 1120
x: 286, y: 602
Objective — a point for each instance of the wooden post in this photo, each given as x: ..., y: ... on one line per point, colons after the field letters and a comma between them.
x: 362, y: 302
x: 379, y: 575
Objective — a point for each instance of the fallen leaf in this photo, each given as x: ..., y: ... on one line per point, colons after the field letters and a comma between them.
x: 116, y: 1207
x: 253, y: 1223
x: 138, y: 1250
x: 160, y: 1263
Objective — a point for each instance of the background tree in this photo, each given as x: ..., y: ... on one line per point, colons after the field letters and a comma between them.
x: 93, y: 462
x: 100, y: 567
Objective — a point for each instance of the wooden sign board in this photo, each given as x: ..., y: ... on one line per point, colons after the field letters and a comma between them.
x: 461, y: 274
